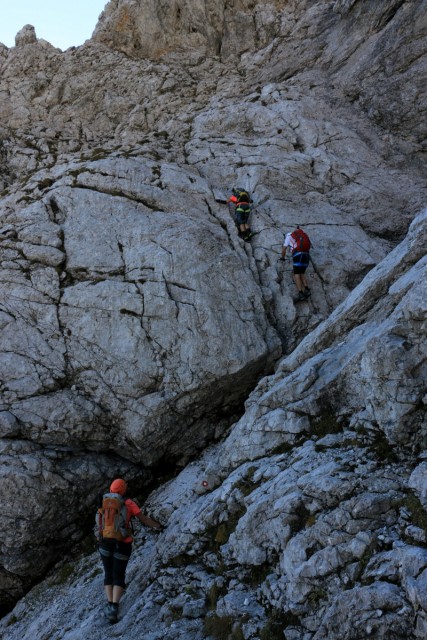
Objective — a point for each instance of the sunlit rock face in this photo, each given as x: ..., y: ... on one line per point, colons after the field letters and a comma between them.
x: 134, y: 323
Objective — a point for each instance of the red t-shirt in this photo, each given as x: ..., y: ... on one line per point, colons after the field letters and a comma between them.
x: 132, y: 510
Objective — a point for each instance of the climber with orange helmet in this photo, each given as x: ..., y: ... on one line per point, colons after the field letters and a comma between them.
x: 114, y: 534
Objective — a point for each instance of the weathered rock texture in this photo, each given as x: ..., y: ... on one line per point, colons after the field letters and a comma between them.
x: 134, y: 323
x: 306, y: 522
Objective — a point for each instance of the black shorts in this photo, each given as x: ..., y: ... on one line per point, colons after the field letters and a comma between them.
x: 115, y: 557
x: 242, y: 213
x: 300, y: 262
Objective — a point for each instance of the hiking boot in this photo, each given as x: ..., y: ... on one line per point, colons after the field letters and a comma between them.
x: 307, y: 292
x: 300, y: 297
x: 112, y: 612
x: 251, y: 235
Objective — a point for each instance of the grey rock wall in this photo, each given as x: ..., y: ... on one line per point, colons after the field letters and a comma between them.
x: 134, y: 323
x: 124, y: 330
x: 308, y: 521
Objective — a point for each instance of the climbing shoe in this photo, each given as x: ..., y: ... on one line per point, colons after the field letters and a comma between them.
x: 300, y: 297
x: 112, y: 612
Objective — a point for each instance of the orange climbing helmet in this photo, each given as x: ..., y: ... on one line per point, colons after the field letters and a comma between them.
x: 118, y: 486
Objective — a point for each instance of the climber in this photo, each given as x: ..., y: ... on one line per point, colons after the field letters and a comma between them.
x: 113, y: 532
x: 300, y: 245
x: 239, y: 206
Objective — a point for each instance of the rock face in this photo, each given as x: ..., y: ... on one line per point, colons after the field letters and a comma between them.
x: 111, y: 336
x: 135, y: 323
x: 307, y: 521
x: 150, y: 29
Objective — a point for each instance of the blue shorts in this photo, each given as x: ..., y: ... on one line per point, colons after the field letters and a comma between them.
x: 300, y: 262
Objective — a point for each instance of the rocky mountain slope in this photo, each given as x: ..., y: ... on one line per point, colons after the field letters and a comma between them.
x: 135, y: 323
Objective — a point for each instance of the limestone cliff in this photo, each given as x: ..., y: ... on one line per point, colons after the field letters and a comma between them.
x: 135, y: 323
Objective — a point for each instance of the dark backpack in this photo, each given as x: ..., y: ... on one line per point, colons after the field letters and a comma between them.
x: 111, y: 518
x: 242, y: 195
x: 302, y: 240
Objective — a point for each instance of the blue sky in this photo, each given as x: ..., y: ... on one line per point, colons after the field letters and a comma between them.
x: 63, y: 23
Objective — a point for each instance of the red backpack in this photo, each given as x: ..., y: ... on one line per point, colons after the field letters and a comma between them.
x: 302, y: 240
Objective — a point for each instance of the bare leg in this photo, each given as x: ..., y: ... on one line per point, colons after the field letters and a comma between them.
x: 117, y: 593
x: 109, y: 592
x: 298, y: 281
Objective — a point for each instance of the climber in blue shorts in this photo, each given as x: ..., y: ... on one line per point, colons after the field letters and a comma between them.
x: 299, y: 244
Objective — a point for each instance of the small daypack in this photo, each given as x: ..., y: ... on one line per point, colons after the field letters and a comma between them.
x: 242, y: 195
x: 111, y: 518
x: 302, y: 240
